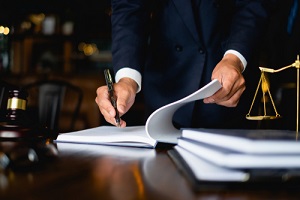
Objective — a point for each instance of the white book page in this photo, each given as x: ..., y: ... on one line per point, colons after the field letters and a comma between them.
x: 104, y: 150
x: 129, y: 136
x: 159, y: 124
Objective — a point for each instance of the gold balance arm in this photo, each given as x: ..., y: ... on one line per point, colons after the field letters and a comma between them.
x: 265, y: 87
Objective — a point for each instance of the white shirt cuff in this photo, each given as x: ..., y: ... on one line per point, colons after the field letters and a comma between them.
x: 130, y: 73
x: 240, y: 56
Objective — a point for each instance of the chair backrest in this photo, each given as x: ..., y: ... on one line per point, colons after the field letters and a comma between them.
x: 51, y: 97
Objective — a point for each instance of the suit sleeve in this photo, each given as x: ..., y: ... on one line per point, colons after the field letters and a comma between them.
x: 129, y: 20
x: 248, y: 24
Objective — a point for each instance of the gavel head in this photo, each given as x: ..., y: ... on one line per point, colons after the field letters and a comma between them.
x: 16, y: 104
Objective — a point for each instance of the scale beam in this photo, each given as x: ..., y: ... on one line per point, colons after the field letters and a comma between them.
x: 264, y: 84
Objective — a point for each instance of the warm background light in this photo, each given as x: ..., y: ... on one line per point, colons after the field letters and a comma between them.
x: 4, y: 30
x: 87, y: 49
x: 1, y: 29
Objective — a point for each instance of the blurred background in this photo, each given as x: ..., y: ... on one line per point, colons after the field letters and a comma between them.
x: 70, y: 40
x: 63, y: 40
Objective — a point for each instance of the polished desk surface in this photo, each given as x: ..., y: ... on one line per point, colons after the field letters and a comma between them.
x: 79, y: 171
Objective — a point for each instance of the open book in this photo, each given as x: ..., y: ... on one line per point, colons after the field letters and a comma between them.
x: 158, y: 128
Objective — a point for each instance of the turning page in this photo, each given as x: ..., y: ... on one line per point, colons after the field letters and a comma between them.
x: 159, y: 124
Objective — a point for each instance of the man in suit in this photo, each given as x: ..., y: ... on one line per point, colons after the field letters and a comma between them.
x: 171, y: 48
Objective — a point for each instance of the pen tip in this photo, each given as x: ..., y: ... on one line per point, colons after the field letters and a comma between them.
x: 118, y: 124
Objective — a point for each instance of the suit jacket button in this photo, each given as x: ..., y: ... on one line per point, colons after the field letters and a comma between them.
x: 201, y: 51
x: 178, y: 47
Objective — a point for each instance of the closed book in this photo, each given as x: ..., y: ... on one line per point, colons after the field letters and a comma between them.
x: 254, y: 141
x: 203, y: 175
x: 227, y: 158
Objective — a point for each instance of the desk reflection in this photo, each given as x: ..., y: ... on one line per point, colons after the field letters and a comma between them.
x: 81, y: 171
x: 115, y: 170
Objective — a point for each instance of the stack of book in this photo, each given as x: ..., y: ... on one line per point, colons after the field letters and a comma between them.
x: 235, y: 155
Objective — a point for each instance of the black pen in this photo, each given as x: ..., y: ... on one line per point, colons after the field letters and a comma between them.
x: 113, y: 101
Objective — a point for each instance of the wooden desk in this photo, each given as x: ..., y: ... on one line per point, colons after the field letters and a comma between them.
x: 105, y: 172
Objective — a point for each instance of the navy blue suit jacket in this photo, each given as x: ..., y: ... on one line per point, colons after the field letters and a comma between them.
x: 175, y: 46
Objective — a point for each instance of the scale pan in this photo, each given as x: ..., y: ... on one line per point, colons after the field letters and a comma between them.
x: 262, y: 117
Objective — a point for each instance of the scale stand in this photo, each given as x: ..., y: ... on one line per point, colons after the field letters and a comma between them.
x: 266, y: 89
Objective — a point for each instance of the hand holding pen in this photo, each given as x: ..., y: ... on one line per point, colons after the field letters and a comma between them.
x: 112, y: 96
x: 123, y: 93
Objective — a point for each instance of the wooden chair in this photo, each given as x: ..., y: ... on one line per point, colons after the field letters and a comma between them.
x: 49, y: 100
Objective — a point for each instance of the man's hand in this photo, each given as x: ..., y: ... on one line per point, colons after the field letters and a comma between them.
x: 229, y: 72
x: 125, y: 91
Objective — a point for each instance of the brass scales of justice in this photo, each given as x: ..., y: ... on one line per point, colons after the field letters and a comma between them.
x: 264, y: 84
